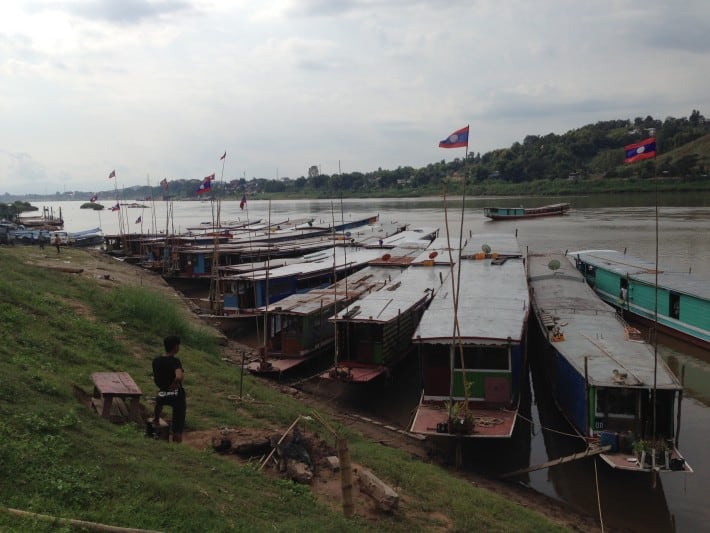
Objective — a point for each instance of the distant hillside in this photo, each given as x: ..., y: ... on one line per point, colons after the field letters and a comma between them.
x: 592, y: 152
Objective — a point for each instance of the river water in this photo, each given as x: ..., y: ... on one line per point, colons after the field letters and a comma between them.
x: 622, y: 221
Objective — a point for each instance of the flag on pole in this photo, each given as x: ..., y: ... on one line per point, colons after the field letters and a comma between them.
x: 206, y: 185
x: 139, y: 220
x: 116, y: 207
x: 112, y: 174
x: 458, y: 139
x: 94, y: 198
x: 243, y: 202
x: 223, y: 155
x: 164, y: 184
x: 639, y: 151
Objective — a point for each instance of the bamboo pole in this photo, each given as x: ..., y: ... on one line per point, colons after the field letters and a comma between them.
x: 273, y: 450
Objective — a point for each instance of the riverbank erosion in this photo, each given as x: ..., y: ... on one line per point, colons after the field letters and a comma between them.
x: 66, y: 316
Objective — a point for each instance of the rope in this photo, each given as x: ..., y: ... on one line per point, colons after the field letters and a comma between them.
x: 599, y: 503
x: 550, y: 429
x: 487, y: 421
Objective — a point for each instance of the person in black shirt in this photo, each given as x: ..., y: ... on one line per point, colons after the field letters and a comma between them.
x: 168, y: 376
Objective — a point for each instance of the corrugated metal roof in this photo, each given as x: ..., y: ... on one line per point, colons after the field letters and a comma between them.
x: 342, y: 257
x: 493, y: 298
x: 591, y: 328
x: 644, y: 271
x: 366, y: 280
x: 403, y: 293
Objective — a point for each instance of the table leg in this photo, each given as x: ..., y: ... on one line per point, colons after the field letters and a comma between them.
x: 135, y: 408
x: 106, y: 411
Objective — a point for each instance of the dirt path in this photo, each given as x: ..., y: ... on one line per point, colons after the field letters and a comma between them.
x: 108, y: 271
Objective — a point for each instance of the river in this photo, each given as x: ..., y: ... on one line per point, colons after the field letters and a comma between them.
x: 620, y: 221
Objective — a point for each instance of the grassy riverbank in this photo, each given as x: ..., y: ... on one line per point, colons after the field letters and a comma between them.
x: 59, y: 458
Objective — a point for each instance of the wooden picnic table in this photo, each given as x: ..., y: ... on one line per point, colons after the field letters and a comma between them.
x: 110, y: 385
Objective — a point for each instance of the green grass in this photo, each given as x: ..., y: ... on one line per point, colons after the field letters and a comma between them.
x: 59, y: 458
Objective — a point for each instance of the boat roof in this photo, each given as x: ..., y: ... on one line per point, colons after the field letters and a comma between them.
x: 592, y: 330
x: 414, y: 238
x: 405, y: 291
x: 343, y: 257
x: 645, y: 271
x: 493, y: 297
x: 367, y: 280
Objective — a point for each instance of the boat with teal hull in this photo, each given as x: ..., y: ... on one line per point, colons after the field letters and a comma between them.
x: 632, y: 285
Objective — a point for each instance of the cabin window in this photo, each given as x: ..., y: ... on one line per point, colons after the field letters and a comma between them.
x: 480, y: 358
x: 616, y: 408
x: 674, y: 305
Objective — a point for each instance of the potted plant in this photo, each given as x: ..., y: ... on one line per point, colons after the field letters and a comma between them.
x: 460, y: 420
x: 662, y: 454
x: 639, y: 448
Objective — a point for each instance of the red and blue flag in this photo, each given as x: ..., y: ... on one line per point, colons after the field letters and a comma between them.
x: 206, y: 185
x: 116, y: 207
x: 639, y: 151
x: 458, y: 139
x: 243, y: 202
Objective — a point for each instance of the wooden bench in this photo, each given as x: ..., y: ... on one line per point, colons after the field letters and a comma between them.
x: 120, y: 385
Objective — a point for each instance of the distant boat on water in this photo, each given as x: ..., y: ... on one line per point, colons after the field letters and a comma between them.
x: 511, y: 213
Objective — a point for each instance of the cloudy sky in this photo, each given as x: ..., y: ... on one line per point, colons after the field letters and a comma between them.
x: 162, y: 88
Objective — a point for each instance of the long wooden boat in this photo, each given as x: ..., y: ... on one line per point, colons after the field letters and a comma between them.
x: 511, y: 213
x: 374, y: 333
x: 298, y: 329
x: 629, y: 283
x: 472, y: 374
x: 604, y: 377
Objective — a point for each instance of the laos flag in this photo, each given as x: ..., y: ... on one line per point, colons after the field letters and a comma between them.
x: 206, y: 185
x: 640, y: 151
x: 458, y: 139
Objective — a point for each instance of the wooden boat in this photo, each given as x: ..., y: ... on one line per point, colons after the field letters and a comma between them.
x: 245, y: 294
x: 472, y: 375
x: 511, y: 213
x: 629, y: 283
x: 374, y: 333
x: 604, y: 377
x: 298, y: 328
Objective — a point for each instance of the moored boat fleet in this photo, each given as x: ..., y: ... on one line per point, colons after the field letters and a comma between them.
x: 355, y: 299
x: 359, y: 299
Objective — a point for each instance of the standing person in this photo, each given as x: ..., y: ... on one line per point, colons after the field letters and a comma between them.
x: 168, y: 376
x: 57, y: 242
x: 41, y: 241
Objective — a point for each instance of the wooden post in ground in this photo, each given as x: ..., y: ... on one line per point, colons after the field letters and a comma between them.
x: 346, y: 477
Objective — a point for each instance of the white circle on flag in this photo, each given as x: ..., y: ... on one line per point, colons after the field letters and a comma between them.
x: 640, y: 149
x: 453, y: 138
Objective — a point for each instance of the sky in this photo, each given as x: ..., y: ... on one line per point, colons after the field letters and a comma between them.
x: 159, y: 89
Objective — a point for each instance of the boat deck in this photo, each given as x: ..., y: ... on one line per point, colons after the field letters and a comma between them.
x: 354, y: 374
x: 276, y: 365
x: 624, y: 461
x: 489, y: 422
